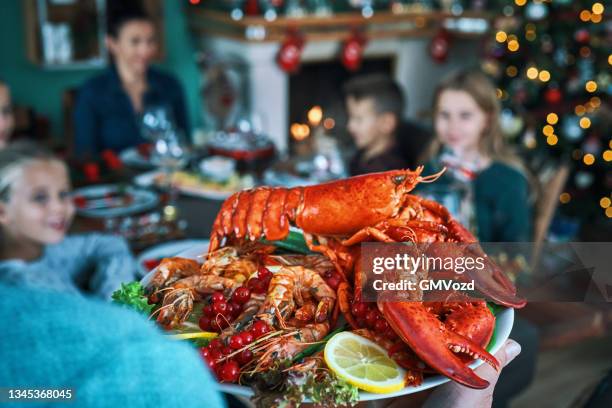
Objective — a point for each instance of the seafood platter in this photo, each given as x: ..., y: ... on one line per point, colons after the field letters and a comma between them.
x: 275, y: 307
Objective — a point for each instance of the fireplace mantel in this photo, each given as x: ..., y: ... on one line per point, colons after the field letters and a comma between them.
x: 337, y: 27
x: 267, y: 86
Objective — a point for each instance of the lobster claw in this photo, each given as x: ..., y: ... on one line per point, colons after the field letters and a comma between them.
x: 492, y: 281
x: 434, y: 343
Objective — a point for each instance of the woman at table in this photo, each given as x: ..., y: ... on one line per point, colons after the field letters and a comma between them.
x: 109, y: 106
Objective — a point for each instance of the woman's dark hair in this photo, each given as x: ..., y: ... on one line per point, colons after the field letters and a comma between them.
x: 120, y: 12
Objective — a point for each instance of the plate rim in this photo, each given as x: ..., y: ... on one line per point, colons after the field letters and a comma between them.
x: 196, y: 243
x: 116, y: 212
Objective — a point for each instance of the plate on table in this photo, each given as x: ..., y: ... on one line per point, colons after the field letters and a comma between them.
x: 188, y: 248
x: 504, y: 320
x: 137, y: 156
x: 193, y: 185
x: 113, y: 200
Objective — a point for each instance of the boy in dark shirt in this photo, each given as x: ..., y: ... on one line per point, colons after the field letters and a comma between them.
x: 375, y: 105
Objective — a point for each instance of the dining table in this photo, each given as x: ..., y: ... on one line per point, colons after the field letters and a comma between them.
x: 195, y: 213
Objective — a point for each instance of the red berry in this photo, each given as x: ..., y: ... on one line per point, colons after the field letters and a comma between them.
x: 361, y: 322
x: 333, y: 282
x: 261, y: 287
x: 220, y: 307
x: 204, y: 352
x: 236, y: 342
x: 381, y: 326
x: 214, y: 326
x: 230, y: 309
x: 263, y: 272
x: 252, y: 283
x: 215, y: 344
x: 371, y: 318
x: 390, y: 334
x: 259, y: 329
x: 204, y: 323
x: 220, y: 322
x: 242, y: 295
x: 227, y: 350
x: 208, y: 311
x: 212, y: 364
x: 247, y: 337
x: 229, y: 371
x: 359, y: 309
x: 235, y: 309
x: 216, y: 355
x: 217, y: 297
x: 245, y: 357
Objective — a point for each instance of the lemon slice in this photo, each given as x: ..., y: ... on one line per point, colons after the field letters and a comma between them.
x: 363, y: 363
x: 195, y: 335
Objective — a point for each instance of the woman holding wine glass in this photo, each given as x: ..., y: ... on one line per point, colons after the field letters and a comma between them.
x: 111, y: 106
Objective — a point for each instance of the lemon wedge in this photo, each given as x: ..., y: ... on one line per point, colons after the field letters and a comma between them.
x: 194, y: 335
x: 363, y: 364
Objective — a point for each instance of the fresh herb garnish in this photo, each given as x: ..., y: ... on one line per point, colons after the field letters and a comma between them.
x: 132, y: 295
x: 281, y: 388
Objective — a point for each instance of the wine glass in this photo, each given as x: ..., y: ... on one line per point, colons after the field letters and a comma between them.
x: 155, y: 121
x: 170, y: 153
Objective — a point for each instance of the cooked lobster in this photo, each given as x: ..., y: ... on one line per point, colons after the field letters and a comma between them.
x: 338, y: 215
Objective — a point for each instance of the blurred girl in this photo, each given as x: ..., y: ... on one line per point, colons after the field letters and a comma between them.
x: 36, y: 210
x: 470, y: 144
x: 7, y: 118
x: 109, y: 106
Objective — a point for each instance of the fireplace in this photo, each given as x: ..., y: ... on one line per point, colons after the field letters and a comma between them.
x: 270, y: 91
x: 315, y: 94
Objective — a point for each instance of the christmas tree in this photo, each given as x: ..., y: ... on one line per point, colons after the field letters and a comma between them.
x: 551, y: 61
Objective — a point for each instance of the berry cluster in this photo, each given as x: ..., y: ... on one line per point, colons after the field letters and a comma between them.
x: 368, y: 316
x: 220, y: 312
x: 216, y: 353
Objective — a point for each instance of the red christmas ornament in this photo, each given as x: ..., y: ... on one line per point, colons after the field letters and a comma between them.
x: 290, y: 53
x: 582, y: 36
x: 352, y: 51
x: 553, y: 95
x: 251, y: 8
x: 439, y: 46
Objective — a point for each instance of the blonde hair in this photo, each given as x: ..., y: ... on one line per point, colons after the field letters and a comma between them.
x: 15, y: 158
x: 479, y: 87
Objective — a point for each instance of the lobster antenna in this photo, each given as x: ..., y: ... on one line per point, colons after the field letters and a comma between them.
x: 432, y: 177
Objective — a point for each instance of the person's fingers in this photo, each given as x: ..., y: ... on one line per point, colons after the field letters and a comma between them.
x: 508, y: 352
x: 454, y: 395
x: 504, y: 355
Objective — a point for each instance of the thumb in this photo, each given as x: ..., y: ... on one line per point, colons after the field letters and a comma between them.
x: 508, y: 352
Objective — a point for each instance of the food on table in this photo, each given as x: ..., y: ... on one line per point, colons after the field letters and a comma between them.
x: 218, y: 168
x: 274, y: 311
x: 193, y: 182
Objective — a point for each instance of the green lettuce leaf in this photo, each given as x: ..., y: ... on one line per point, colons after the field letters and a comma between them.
x: 132, y: 295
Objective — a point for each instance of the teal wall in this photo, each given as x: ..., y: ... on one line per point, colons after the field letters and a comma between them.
x: 42, y: 89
